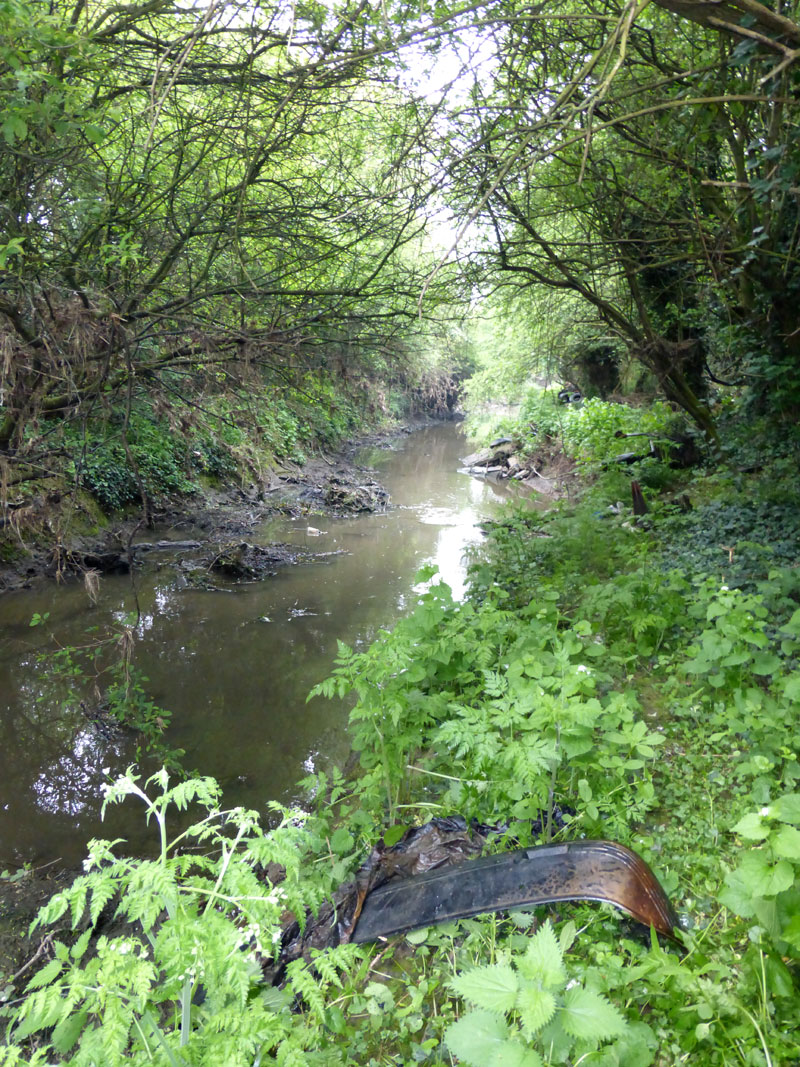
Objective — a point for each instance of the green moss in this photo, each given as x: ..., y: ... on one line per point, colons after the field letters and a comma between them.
x: 11, y: 551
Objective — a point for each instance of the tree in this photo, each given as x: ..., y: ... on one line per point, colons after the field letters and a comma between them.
x: 196, y: 192
x: 647, y: 168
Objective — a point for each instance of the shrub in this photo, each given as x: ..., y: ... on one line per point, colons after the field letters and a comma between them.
x: 590, y: 432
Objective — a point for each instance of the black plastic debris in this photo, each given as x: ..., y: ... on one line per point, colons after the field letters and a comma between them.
x: 545, y: 874
x: 435, y: 873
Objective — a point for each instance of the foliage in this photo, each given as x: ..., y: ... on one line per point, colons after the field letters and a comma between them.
x: 631, y: 172
x: 533, y: 988
x: 738, y: 536
x: 472, y: 725
x: 159, y: 252
x: 585, y: 687
x: 179, y: 979
x: 153, y: 461
x: 594, y: 432
x: 540, y: 417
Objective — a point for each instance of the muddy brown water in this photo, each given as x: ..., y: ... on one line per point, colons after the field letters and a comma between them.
x: 234, y: 666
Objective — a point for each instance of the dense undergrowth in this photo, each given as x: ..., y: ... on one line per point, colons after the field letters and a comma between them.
x: 151, y: 452
x: 639, y: 680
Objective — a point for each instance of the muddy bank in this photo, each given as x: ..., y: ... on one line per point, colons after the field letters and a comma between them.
x: 207, y: 532
x: 23, y: 893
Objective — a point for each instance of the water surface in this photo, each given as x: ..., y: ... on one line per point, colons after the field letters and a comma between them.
x: 234, y: 666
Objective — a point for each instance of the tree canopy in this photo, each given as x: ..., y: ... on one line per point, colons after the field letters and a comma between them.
x: 199, y: 193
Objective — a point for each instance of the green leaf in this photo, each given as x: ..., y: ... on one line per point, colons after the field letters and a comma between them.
x: 737, y: 895
x: 418, y: 937
x: 765, y: 663
x: 786, y: 843
x: 425, y: 573
x: 81, y: 944
x: 494, y: 987
x: 68, y: 1031
x: 765, y: 878
x: 543, y: 961
x: 476, y: 1037
x: 513, y: 1054
x: 566, y: 935
x: 786, y: 808
x: 380, y: 992
x: 589, y: 1016
x: 15, y: 128
x: 752, y: 827
x: 94, y: 134
x: 393, y: 835
x: 102, y: 892
x: 48, y: 973
x: 342, y: 841
x: 778, y: 977
x: 275, y: 999
x: 636, y: 1048
x: 536, y: 1007
x: 791, y: 932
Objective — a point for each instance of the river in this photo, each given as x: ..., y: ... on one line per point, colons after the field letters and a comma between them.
x: 234, y: 666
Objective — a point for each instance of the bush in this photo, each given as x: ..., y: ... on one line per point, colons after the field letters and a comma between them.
x: 108, y: 477
x: 105, y: 470
x: 590, y: 432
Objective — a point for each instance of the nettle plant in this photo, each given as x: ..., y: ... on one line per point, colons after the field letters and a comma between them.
x: 742, y: 666
x: 178, y: 979
x: 516, y: 702
x: 524, y: 1010
x: 406, y: 680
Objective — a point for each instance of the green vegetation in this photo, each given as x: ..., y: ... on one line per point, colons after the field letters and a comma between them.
x: 218, y: 251
x: 222, y: 234
x: 603, y: 680
x: 251, y: 221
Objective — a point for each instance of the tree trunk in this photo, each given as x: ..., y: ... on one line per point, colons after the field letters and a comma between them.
x: 671, y: 362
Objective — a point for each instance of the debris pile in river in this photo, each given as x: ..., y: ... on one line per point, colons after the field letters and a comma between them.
x: 253, y: 562
x: 342, y: 495
x: 502, y: 460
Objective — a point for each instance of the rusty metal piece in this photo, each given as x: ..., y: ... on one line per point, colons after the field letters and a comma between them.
x: 545, y: 874
x: 441, y: 842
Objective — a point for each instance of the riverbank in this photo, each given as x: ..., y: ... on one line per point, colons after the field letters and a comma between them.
x: 231, y: 658
x: 615, y: 676
x: 211, y: 685
x: 64, y: 535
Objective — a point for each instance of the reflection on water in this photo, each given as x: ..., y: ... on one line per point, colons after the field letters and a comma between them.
x: 233, y: 666
x: 70, y: 784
